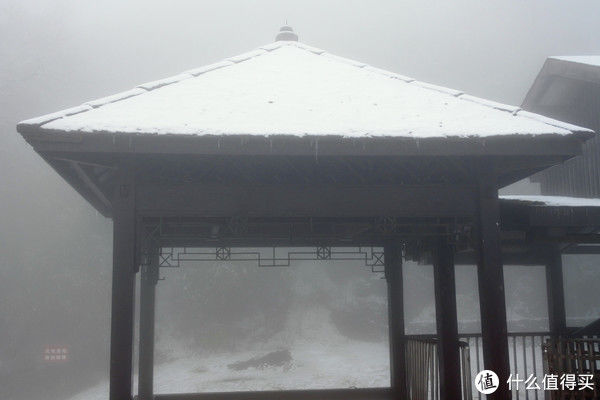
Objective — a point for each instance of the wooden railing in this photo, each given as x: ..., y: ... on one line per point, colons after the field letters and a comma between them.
x: 576, y: 357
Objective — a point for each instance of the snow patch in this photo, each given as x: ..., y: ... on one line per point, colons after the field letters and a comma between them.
x: 554, y: 201
x: 164, y: 82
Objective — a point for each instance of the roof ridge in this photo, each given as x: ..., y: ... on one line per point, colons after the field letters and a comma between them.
x: 268, y: 48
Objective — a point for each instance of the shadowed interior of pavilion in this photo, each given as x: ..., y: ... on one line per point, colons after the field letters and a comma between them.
x: 418, y: 196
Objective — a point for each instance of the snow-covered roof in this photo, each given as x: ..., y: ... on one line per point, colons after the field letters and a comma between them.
x: 589, y: 60
x: 288, y: 88
x: 553, y: 201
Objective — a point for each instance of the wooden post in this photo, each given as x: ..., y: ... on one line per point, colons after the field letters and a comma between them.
x: 447, y: 321
x: 557, y: 320
x: 149, y: 278
x: 393, y: 274
x: 123, y: 285
x: 491, y: 283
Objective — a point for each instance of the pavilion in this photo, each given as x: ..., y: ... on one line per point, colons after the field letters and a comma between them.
x: 289, y: 145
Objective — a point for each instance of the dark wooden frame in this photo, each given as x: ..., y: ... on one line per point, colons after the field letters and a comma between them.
x: 104, y: 168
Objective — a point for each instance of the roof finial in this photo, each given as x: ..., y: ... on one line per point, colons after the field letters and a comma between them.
x: 286, y: 33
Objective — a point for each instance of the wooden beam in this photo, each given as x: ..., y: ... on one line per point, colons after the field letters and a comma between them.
x: 393, y: 274
x: 306, y: 200
x: 581, y: 249
x: 149, y: 278
x: 491, y: 283
x: 123, y: 286
x: 564, y: 216
x: 591, y: 329
x: 525, y: 258
x: 81, y: 159
x: 571, y: 238
x: 446, y: 320
x: 89, y: 183
x: 557, y: 320
x: 318, y: 394
x: 69, y: 175
x: 521, y: 215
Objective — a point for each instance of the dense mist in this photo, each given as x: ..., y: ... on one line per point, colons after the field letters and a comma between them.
x: 56, y: 250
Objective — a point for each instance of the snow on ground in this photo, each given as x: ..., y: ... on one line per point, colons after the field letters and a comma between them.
x: 344, y: 365
x: 321, y: 358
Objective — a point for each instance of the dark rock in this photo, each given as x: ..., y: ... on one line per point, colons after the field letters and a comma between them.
x: 277, y: 358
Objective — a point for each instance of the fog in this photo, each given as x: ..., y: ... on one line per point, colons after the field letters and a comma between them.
x: 55, y: 249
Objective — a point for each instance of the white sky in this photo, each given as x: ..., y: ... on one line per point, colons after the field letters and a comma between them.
x: 488, y: 48
x: 56, y: 54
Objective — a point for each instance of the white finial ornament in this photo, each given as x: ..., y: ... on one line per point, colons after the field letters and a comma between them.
x: 286, y: 33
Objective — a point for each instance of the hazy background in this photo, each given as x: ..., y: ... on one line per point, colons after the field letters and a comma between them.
x: 55, y: 250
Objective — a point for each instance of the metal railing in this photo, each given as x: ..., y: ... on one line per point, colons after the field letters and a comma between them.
x: 525, y: 354
x: 526, y: 358
x: 422, y: 369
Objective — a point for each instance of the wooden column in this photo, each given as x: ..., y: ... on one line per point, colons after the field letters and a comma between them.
x: 447, y: 320
x: 393, y: 274
x: 491, y: 283
x: 557, y: 320
x: 149, y: 278
x: 123, y: 285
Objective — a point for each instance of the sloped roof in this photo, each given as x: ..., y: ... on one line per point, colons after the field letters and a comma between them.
x: 288, y: 88
x: 588, y: 60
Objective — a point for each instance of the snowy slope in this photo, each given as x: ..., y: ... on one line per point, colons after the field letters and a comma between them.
x: 321, y: 358
x: 313, y: 367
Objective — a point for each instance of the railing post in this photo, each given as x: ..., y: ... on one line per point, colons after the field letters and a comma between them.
x: 557, y: 321
x: 446, y: 320
x: 490, y: 277
x: 393, y: 274
x: 149, y: 278
x: 123, y: 284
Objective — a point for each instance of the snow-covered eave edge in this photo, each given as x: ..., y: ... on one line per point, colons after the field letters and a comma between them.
x: 551, y: 201
x: 561, y: 146
x: 38, y: 122
x: 40, y: 133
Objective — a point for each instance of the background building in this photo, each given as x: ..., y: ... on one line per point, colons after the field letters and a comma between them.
x: 568, y: 89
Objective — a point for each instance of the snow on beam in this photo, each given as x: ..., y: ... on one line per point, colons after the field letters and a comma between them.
x: 553, y: 201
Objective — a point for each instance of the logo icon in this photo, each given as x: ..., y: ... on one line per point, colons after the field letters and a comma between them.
x: 487, y: 381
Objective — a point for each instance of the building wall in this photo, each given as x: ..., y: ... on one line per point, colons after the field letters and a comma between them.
x: 579, y: 177
x: 569, y: 92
